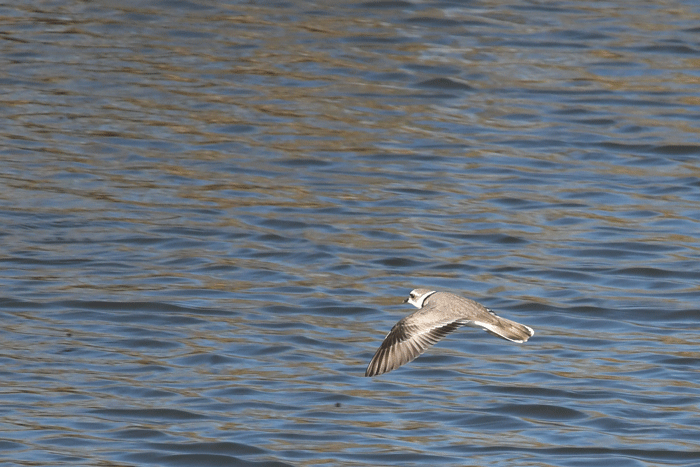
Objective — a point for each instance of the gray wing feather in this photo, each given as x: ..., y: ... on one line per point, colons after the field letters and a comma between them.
x: 405, y: 342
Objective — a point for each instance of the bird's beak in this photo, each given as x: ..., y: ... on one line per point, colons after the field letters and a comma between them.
x: 405, y: 301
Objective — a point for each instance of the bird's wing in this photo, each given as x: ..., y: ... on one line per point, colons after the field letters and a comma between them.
x: 407, y: 340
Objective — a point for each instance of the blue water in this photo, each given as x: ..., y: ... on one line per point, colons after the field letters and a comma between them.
x: 211, y: 213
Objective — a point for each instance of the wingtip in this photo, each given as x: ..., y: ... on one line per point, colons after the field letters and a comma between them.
x: 370, y: 372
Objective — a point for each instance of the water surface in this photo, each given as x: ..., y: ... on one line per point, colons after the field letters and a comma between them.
x: 212, y: 212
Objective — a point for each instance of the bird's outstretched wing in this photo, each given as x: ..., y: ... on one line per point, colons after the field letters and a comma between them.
x: 406, y: 341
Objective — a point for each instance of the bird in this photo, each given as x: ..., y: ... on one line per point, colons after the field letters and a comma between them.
x: 439, y: 313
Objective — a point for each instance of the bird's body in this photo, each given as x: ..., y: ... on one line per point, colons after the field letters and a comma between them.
x: 439, y: 313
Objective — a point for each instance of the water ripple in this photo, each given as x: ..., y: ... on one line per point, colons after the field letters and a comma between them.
x: 212, y: 212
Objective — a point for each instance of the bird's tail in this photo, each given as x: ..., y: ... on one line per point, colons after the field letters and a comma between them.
x: 506, y: 329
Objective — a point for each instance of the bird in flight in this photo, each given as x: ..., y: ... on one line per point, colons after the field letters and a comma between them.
x: 439, y: 313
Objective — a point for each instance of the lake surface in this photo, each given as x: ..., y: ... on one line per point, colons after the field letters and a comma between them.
x: 211, y: 213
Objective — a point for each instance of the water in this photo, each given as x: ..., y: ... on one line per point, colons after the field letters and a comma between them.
x: 211, y: 213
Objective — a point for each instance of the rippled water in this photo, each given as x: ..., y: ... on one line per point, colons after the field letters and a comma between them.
x: 212, y: 212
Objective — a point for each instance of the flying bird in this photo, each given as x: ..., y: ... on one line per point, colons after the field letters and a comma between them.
x: 439, y: 313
